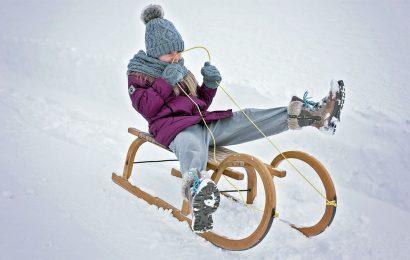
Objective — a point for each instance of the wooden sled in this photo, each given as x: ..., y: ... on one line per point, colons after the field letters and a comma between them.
x: 228, y: 158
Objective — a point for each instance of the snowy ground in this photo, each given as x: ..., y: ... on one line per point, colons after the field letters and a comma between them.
x: 65, y: 112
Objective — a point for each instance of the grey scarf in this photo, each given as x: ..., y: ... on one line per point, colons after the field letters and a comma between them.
x: 141, y: 62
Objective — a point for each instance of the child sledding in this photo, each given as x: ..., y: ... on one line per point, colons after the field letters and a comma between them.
x: 169, y: 97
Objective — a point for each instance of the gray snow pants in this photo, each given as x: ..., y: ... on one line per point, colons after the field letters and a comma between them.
x: 191, y: 144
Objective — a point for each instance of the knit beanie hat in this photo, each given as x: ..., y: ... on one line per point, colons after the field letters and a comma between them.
x: 161, y: 37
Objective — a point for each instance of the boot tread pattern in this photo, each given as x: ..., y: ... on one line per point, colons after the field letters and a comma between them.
x: 205, y: 202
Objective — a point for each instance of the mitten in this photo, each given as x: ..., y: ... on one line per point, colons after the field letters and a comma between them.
x: 174, y: 73
x: 212, y: 77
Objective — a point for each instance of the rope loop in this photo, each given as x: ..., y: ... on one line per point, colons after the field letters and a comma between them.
x: 305, y: 98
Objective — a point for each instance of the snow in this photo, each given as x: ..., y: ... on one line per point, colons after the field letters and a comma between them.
x: 65, y: 111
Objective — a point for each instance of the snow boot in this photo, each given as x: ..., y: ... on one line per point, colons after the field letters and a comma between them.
x: 324, y: 115
x: 204, y: 197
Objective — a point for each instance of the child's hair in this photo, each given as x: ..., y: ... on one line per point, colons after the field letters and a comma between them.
x: 189, y: 82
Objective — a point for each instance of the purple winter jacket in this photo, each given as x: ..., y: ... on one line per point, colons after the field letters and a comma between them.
x: 166, y: 113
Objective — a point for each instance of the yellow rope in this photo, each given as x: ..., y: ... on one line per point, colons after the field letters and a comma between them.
x: 202, y: 117
x: 331, y: 203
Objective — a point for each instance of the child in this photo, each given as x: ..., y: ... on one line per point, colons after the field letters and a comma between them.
x: 154, y: 81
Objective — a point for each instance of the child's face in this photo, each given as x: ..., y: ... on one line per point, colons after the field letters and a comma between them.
x: 172, y: 56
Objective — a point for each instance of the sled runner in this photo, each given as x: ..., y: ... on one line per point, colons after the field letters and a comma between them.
x: 253, y: 167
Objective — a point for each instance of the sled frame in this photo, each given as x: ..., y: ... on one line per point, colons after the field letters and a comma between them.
x: 226, y: 159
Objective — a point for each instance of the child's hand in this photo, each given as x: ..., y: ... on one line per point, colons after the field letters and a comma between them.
x: 211, y: 74
x: 174, y: 73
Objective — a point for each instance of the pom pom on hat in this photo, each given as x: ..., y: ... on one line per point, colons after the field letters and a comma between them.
x: 151, y: 12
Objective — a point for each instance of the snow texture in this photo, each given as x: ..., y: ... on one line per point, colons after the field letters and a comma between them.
x: 65, y: 111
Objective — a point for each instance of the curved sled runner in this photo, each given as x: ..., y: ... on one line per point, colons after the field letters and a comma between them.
x: 253, y: 166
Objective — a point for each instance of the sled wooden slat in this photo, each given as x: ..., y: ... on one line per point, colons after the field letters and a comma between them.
x: 145, y: 136
x: 230, y: 173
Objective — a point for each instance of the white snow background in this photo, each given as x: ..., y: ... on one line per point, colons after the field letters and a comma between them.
x: 65, y: 112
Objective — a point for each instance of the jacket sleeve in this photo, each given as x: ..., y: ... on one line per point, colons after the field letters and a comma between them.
x: 148, y: 101
x: 206, y: 94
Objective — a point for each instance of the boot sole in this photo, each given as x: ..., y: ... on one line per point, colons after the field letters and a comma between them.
x: 340, y: 100
x: 205, y: 202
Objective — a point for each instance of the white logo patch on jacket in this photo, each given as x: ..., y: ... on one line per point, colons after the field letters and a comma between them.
x: 131, y: 89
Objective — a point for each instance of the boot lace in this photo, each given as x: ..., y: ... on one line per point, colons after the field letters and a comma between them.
x: 195, y: 185
x: 308, y: 103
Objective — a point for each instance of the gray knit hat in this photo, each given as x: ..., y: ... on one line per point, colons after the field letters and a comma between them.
x: 161, y: 37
